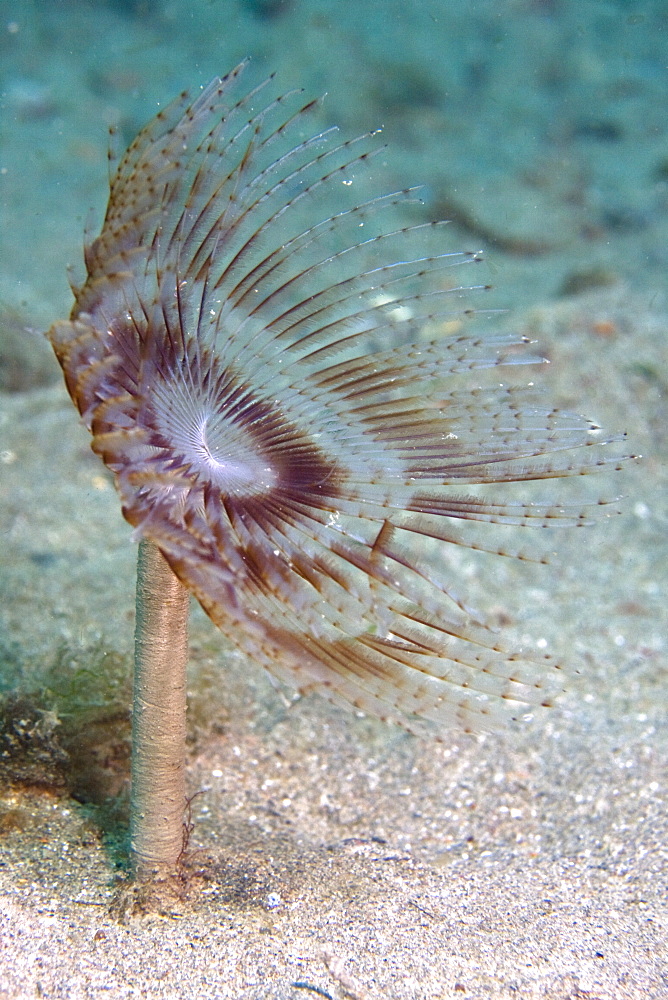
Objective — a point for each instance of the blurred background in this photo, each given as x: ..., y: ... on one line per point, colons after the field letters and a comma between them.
x: 538, y: 127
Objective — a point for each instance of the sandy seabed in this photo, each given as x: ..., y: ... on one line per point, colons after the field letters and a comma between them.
x: 333, y: 856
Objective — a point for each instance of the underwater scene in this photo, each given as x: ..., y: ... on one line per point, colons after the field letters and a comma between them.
x: 364, y: 337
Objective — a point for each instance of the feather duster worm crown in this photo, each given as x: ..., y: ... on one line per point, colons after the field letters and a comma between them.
x: 288, y: 419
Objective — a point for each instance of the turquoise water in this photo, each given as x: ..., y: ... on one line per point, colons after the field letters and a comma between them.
x: 538, y: 126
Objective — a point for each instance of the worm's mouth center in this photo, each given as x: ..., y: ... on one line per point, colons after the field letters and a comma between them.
x: 233, y: 465
x: 222, y: 433
x: 209, y: 432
